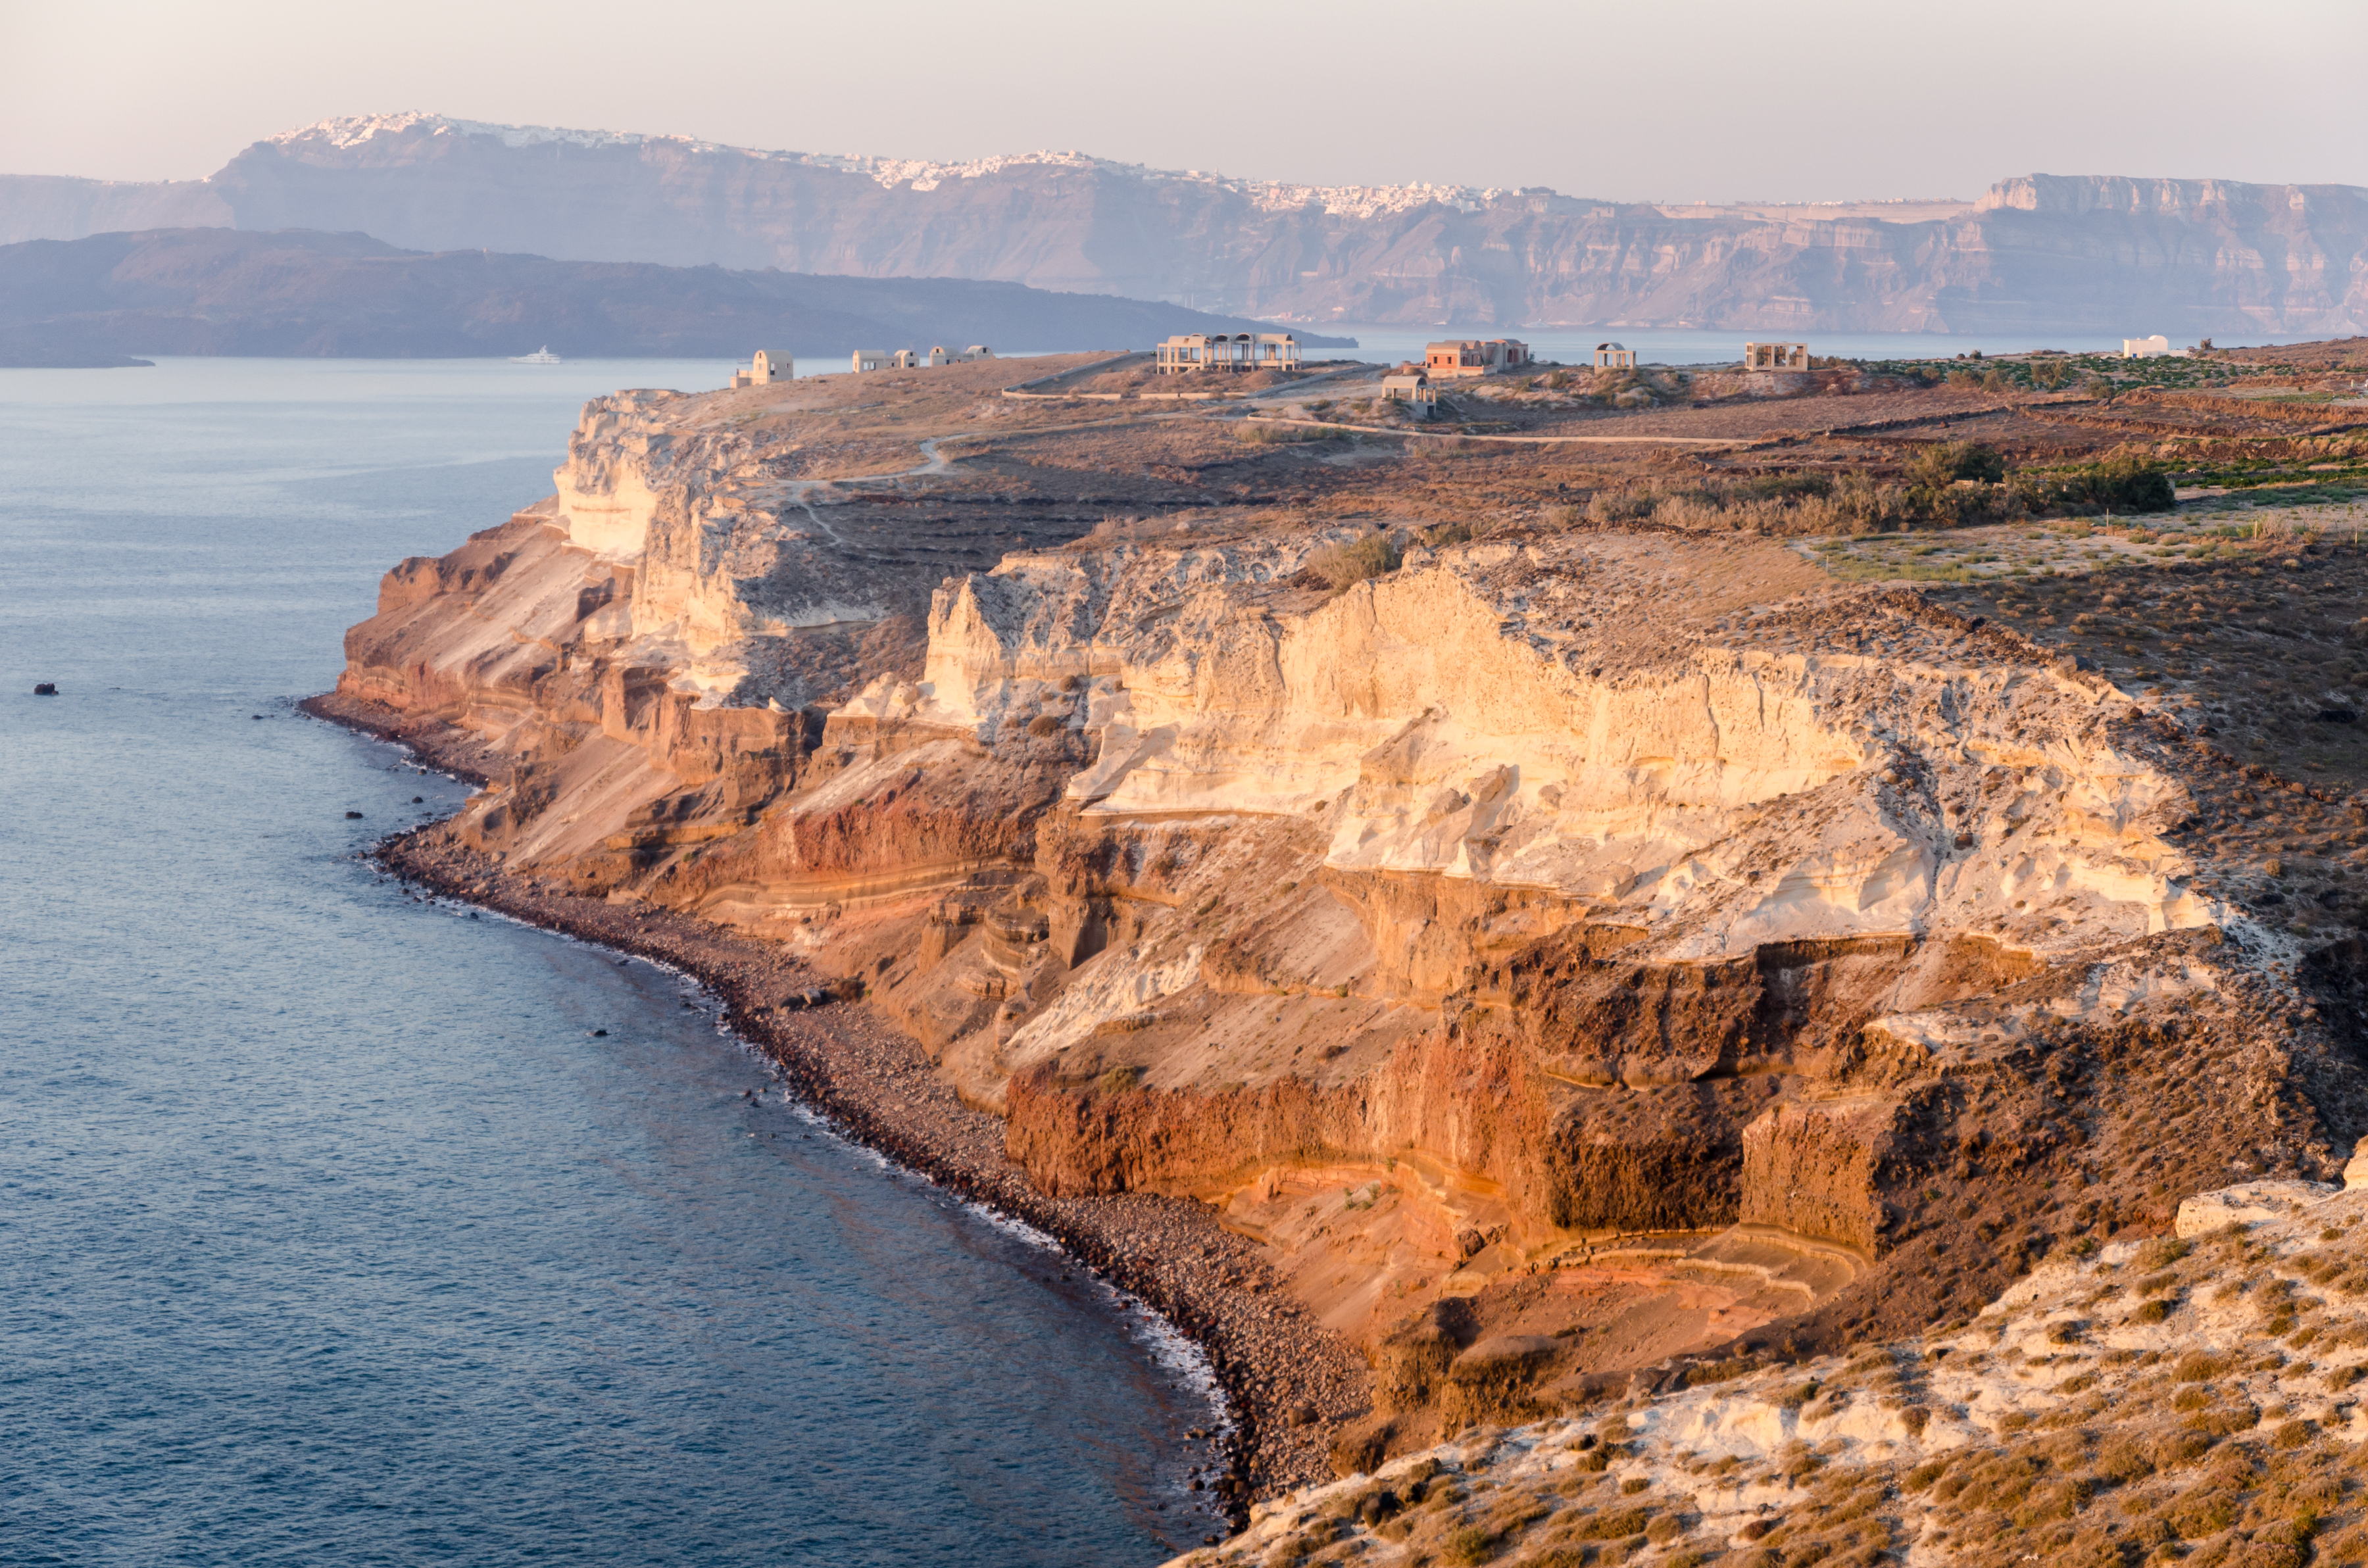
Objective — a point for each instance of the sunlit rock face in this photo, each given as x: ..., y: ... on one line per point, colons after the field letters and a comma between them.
x: 1604, y: 945
x: 1467, y: 717
x: 723, y: 553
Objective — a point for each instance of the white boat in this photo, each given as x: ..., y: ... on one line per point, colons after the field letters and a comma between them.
x: 543, y: 355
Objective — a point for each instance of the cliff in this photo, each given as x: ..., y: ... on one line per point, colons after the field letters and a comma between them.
x: 2130, y: 1404
x: 1570, y: 951
x: 2038, y: 254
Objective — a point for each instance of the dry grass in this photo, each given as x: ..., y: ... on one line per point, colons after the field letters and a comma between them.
x: 2194, y: 1440
x: 1344, y: 566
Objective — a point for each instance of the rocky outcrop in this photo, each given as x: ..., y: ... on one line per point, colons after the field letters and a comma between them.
x: 2038, y: 253
x: 1635, y: 942
x: 2113, y: 1398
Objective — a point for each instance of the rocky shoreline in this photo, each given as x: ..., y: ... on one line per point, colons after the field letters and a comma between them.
x: 1288, y: 1382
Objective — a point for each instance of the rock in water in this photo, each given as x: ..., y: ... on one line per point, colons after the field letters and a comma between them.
x: 45, y: 688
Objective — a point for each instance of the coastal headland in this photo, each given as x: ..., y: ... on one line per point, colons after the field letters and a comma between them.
x: 1648, y: 877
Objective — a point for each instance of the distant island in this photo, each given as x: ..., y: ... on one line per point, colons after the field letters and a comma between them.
x: 2037, y: 253
x: 100, y: 299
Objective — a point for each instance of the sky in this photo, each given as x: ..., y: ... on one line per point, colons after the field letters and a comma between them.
x: 1679, y: 100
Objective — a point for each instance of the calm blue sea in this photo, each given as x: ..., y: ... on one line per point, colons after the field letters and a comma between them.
x: 329, y: 1234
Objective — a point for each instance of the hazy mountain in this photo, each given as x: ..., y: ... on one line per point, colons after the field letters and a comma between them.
x: 223, y: 292
x: 2184, y: 256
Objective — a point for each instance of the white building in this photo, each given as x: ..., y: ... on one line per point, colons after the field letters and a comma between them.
x: 1613, y: 357
x: 1775, y: 356
x: 767, y: 365
x: 1240, y: 351
x: 2155, y: 347
x: 1454, y: 359
x: 1410, y: 384
x: 907, y: 359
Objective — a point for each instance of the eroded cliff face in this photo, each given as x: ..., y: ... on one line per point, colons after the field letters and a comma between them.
x: 2040, y: 253
x: 1565, y: 951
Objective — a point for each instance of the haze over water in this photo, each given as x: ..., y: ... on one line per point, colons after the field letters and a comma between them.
x: 329, y: 1234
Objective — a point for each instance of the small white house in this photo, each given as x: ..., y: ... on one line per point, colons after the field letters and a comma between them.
x: 907, y: 359
x: 768, y: 366
x: 1783, y: 356
x: 2155, y: 347
x: 1410, y: 384
x: 1614, y: 356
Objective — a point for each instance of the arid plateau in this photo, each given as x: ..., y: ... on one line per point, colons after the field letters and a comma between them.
x: 1658, y: 952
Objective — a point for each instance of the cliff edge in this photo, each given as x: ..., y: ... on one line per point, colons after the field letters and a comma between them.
x: 1573, y: 951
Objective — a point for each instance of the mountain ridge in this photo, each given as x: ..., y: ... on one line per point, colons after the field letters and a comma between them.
x: 2037, y: 252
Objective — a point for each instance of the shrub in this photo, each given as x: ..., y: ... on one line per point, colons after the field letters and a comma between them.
x: 2294, y: 1434
x: 1279, y: 435
x: 2124, y: 483
x: 1467, y: 1546
x: 1621, y: 507
x: 2123, y: 1460
x: 2201, y: 1513
x: 2227, y: 1420
x: 1611, y: 1527
x: 1345, y: 565
x: 1120, y: 1080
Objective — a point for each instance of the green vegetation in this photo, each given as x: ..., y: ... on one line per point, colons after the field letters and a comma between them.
x: 1256, y: 435
x: 2047, y: 371
x: 1945, y: 462
x: 2124, y: 483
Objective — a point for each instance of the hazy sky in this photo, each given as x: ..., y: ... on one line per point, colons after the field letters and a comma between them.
x: 1717, y: 99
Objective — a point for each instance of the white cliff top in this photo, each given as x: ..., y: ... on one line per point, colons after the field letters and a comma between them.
x: 921, y: 175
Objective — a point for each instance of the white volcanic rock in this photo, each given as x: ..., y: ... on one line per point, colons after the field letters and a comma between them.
x: 1474, y: 715
x: 2249, y: 1203
x: 723, y: 553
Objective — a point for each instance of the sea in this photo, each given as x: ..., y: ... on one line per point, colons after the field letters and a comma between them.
x: 331, y: 1230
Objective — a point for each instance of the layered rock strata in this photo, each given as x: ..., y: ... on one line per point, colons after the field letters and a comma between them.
x: 1564, y: 952
x: 2043, y: 253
